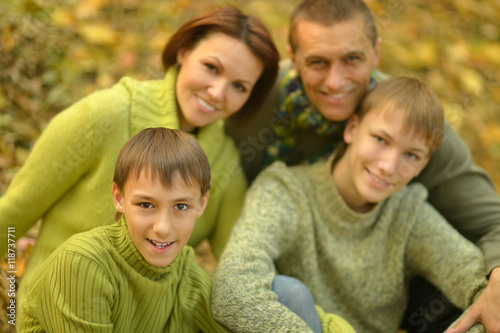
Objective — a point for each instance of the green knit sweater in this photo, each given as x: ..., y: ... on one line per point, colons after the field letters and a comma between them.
x: 98, y: 281
x: 357, y: 266
x: 67, y: 178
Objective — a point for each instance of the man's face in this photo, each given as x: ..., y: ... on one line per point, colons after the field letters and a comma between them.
x: 334, y: 63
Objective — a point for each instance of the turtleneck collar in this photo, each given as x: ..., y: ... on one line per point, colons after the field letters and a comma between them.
x: 121, y: 240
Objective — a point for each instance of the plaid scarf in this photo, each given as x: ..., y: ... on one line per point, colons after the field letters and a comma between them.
x: 295, y: 105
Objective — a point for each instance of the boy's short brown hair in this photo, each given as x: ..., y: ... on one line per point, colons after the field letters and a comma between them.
x: 422, y: 109
x: 163, y: 152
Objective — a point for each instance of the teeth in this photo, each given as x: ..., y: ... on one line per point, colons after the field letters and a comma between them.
x: 340, y: 95
x: 380, y: 181
x: 159, y: 245
x: 205, y: 104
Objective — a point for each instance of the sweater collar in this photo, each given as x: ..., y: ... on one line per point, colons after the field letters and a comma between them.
x: 121, y: 240
x: 334, y: 203
x: 154, y: 104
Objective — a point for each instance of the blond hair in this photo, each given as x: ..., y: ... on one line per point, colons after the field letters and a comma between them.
x: 422, y: 110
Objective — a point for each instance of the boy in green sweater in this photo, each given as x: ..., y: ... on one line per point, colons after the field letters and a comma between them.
x: 349, y: 229
x: 136, y: 275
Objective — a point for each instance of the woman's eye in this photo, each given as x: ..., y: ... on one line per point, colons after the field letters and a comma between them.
x: 181, y: 207
x: 145, y: 205
x: 239, y: 87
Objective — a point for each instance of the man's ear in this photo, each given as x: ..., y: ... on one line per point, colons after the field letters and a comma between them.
x: 291, y: 56
x: 203, y: 204
x: 117, y: 198
x: 350, y: 128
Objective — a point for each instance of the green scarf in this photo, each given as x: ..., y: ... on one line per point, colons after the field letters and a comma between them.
x: 295, y: 105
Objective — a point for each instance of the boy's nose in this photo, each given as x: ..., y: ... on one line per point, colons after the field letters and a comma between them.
x: 162, y: 226
x: 389, y: 163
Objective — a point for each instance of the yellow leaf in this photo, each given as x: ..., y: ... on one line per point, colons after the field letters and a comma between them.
x: 491, y: 52
x: 89, y: 8
x: 491, y: 135
x: 471, y: 81
x: 63, y: 17
x: 427, y: 53
x: 98, y: 33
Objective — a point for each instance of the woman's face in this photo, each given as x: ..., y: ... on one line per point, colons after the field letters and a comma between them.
x: 215, y: 79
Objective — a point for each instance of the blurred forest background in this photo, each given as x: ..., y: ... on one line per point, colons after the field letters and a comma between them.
x: 54, y: 52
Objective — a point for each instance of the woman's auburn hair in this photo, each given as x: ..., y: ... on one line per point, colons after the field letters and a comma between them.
x: 245, y: 28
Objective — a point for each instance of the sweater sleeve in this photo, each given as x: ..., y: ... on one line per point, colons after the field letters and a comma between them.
x: 242, y: 299
x: 435, y: 250
x: 73, y: 294
x: 196, y: 299
x: 58, y: 159
x: 465, y: 195
x: 231, y: 204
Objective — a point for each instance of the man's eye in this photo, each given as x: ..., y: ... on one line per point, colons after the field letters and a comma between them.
x: 181, y: 207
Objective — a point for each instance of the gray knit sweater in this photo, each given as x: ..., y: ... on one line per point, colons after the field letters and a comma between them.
x: 358, y: 266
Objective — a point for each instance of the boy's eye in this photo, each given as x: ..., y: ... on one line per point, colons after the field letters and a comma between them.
x: 145, y: 205
x: 413, y: 156
x: 181, y: 207
x: 210, y: 67
x: 379, y: 139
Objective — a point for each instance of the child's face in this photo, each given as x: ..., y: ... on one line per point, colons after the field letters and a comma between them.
x: 159, y: 219
x: 380, y: 158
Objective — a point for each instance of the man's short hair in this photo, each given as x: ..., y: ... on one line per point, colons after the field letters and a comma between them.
x: 330, y: 12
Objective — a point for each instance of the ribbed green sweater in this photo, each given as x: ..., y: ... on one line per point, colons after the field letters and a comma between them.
x: 67, y: 178
x: 98, y: 281
x: 357, y: 266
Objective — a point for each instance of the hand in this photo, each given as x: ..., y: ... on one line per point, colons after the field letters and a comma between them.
x: 486, y: 309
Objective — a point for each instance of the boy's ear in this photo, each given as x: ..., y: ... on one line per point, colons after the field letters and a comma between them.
x: 422, y: 166
x: 117, y: 198
x: 203, y: 204
x: 350, y: 128
x: 291, y: 56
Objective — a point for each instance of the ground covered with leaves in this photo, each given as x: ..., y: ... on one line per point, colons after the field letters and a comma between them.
x: 52, y: 53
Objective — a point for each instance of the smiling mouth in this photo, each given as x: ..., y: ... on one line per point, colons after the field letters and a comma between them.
x: 338, y: 95
x: 204, y: 104
x: 379, y: 181
x: 159, y: 245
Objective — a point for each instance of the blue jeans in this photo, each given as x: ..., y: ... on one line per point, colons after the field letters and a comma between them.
x: 295, y: 295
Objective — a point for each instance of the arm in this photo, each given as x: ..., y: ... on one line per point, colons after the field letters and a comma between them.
x: 58, y: 159
x: 464, y: 194
x: 73, y: 294
x: 233, y: 195
x: 196, y: 291
x: 242, y: 299
x: 435, y: 250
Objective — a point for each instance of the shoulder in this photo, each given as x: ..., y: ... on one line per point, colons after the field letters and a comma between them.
x: 410, y: 196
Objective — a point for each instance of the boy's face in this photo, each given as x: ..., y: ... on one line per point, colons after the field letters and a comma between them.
x: 159, y: 219
x: 380, y: 158
x: 335, y: 63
